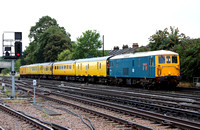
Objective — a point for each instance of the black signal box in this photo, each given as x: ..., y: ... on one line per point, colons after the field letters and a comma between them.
x: 18, y: 49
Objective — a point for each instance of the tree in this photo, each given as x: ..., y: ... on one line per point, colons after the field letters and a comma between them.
x: 5, y: 71
x: 17, y: 65
x: 29, y: 54
x: 45, y: 32
x: 87, y: 45
x: 42, y: 25
x: 164, y: 40
x: 189, y: 51
x: 54, y: 42
x: 65, y: 55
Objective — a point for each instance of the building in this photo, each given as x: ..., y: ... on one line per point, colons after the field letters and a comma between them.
x: 125, y: 49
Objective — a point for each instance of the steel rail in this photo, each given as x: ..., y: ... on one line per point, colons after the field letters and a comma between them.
x: 134, y: 101
x: 25, y: 118
x: 175, y: 122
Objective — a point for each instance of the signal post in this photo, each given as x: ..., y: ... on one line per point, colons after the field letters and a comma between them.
x: 12, y: 49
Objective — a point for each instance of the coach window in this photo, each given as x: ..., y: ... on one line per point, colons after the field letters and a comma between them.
x: 100, y: 66
x: 161, y: 59
x: 88, y: 66
x: 168, y: 59
x: 174, y: 59
x: 62, y: 67
x: 70, y: 66
x: 67, y: 66
x: 78, y: 66
x: 57, y: 67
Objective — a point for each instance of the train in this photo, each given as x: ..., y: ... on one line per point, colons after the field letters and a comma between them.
x: 148, y: 69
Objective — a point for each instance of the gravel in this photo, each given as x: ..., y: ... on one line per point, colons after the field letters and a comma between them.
x: 71, y: 121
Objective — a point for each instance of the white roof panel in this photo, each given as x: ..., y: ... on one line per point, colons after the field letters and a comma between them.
x: 93, y: 59
x: 64, y: 62
x: 143, y: 54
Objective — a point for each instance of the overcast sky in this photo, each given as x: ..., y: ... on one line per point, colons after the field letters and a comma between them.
x: 120, y: 21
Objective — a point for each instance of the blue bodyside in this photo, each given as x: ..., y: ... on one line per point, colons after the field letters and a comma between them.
x: 138, y: 67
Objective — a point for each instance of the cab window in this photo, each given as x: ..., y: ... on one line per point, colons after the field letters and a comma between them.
x: 168, y: 59
x: 174, y: 59
x: 161, y: 59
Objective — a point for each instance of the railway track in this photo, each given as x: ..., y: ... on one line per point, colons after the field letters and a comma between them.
x: 141, y: 113
x: 132, y: 111
x: 140, y: 101
x: 22, y: 117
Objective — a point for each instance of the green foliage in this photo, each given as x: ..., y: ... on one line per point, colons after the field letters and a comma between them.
x: 53, y: 41
x: 5, y: 71
x: 65, y: 55
x: 164, y: 40
x: 42, y: 25
x: 48, y: 40
x: 87, y: 45
x: 29, y: 54
x: 189, y: 51
x: 44, y: 113
x: 17, y: 65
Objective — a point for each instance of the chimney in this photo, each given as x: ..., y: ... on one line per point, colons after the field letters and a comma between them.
x: 125, y: 47
x: 116, y: 48
x: 135, y: 45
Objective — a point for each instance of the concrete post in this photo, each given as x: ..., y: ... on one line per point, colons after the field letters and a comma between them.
x: 13, y: 78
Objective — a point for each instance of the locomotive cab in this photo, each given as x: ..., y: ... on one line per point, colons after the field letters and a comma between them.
x: 168, y: 69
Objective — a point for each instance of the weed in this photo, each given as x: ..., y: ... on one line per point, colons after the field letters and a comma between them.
x: 44, y: 113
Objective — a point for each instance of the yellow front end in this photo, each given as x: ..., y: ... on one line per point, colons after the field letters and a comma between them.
x: 167, y: 65
x: 167, y: 70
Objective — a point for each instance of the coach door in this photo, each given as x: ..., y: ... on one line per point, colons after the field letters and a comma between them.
x: 151, y: 67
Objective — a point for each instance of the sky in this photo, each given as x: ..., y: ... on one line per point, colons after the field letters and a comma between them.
x: 122, y: 22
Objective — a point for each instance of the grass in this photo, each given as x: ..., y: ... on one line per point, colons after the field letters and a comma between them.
x: 185, y: 84
x: 44, y: 113
x: 7, y: 75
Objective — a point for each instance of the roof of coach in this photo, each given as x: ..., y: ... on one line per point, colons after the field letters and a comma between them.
x: 64, y: 62
x: 37, y: 64
x: 93, y: 59
x: 144, y: 54
x: 23, y: 66
x: 32, y: 65
x: 48, y: 63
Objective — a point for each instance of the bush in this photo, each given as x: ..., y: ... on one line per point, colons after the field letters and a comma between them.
x: 5, y: 71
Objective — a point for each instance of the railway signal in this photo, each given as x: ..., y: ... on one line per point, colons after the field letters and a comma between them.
x: 12, y: 49
x: 18, y: 49
x: 12, y: 45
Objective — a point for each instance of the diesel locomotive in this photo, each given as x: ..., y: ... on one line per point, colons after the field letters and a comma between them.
x: 148, y: 69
